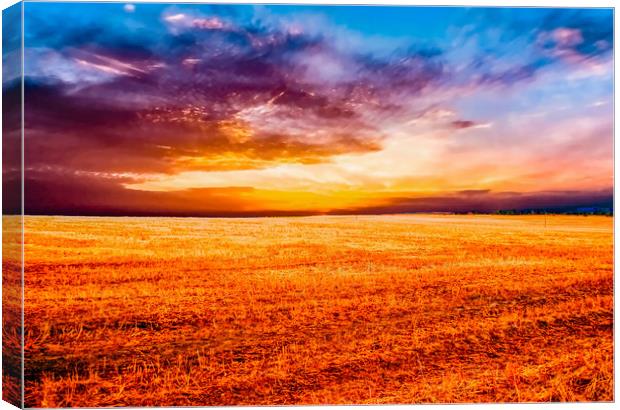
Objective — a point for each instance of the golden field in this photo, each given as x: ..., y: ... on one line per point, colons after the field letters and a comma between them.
x: 342, y: 309
x: 11, y: 309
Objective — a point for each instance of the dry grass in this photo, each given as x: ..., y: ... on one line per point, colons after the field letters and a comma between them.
x: 11, y: 309
x: 388, y: 309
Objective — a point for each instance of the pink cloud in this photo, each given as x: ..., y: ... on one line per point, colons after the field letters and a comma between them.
x: 567, y: 37
x: 210, y: 23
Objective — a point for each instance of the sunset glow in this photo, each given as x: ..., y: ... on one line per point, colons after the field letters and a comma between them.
x: 235, y: 110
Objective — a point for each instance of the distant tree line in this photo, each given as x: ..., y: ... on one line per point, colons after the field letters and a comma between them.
x: 575, y: 211
x: 606, y: 211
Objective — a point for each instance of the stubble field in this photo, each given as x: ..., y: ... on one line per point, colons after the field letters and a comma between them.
x: 367, y: 309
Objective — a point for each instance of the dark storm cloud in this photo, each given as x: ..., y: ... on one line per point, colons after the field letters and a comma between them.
x: 63, y: 192
x: 488, y: 201
x: 152, y: 104
x: 92, y: 134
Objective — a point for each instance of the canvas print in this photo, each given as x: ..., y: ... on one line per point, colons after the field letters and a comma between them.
x: 300, y: 204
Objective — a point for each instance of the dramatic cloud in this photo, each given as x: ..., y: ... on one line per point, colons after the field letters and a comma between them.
x: 215, y: 89
x: 152, y: 108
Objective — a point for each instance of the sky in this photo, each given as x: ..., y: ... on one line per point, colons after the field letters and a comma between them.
x: 233, y: 110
